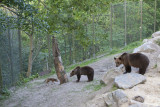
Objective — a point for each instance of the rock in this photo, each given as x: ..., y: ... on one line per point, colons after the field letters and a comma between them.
x: 98, y: 101
x: 138, y: 104
x: 145, y: 40
x: 116, y: 98
x: 139, y: 99
x: 158, y: 63
x: 110, y: 76
x: 156, y: 34
x: 148, y: 47
x: 129, y: 80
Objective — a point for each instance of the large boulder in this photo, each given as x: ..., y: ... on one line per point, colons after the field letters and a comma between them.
x: 109, y: 76
x: 116, y: 98
x: 129, y: 80
x: 148, y: 47
x: 158, y: 63
x: 156, y: 34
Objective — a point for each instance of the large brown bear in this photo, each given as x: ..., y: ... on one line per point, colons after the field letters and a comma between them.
x: 137, y: 60
x: 86, y: 70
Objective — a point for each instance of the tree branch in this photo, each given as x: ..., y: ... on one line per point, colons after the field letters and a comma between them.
x: 44, y: 4
x: 9, y: 9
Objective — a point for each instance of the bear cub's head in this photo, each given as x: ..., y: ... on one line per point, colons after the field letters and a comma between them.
x: 118, y: 61
x: 75, y: 71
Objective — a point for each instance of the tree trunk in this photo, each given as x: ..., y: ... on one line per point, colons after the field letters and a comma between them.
x: 61, y: 74
x: 30, y: 61
x: 30, y: 56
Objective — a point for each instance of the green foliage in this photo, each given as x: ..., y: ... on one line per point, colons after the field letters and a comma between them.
x: 4, y: 93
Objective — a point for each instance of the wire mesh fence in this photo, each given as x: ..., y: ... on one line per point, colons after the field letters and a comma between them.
x: 126, y: 23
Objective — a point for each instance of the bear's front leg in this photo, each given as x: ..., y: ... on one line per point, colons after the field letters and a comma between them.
x: 78, y: 77
x: 128, y: 69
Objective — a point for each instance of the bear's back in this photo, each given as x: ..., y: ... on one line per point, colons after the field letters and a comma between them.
x: 138, y: 60
x: 86, y: 70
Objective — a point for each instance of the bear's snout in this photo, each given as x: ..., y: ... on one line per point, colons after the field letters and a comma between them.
x: 71, y: 74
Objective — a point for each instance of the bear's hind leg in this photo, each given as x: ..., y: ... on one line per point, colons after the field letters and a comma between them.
x: 142, y: 71
x: 89, y: 78
x: 128, y: 69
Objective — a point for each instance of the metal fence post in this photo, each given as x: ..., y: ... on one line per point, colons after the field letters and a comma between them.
x: 111, y: 27
x: 141, y: 20
x: 93, y: 37
x: 125, y: 23
x: 155, y: 15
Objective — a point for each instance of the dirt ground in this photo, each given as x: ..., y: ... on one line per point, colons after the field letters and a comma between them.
x: 39, y: 94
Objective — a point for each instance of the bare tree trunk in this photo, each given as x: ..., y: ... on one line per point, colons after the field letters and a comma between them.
x: 61, y: 74
x: 30, y: 61
x: 30, y: 57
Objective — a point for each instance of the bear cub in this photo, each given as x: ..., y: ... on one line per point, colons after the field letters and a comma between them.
x: 51, y: 79
x: 137, y: 60
x: 86, y: 70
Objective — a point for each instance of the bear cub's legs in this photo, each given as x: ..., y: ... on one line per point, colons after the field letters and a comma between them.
x: 78, y: 77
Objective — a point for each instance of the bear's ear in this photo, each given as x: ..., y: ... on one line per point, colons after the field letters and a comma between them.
x: 115, y: 58
x: 78, y: 67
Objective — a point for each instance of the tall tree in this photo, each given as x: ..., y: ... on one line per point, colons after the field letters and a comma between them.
x: 61, y: 73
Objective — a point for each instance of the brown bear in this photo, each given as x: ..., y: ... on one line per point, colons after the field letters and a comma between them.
x: 86, y: 70
x: 51, y: 79
x: 137, y: 60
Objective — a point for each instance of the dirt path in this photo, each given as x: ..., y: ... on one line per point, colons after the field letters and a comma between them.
x: 38, y: 94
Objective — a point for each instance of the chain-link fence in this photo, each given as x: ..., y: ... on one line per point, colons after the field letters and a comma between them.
x: 9, y: 57
x: 125, y: 23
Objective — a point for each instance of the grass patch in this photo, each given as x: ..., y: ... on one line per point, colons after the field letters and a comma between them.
x: 158, y: 42
x: 114, y: 88
x: 155, y: 66
x: 94, y: 87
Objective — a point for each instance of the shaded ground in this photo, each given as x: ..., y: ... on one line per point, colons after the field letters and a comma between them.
x: 39, y: 94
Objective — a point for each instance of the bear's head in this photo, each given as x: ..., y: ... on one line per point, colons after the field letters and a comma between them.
x: 118, y: 61
x: 75, y: 71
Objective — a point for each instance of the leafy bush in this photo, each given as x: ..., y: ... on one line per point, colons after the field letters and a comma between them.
x: 4, y: 93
